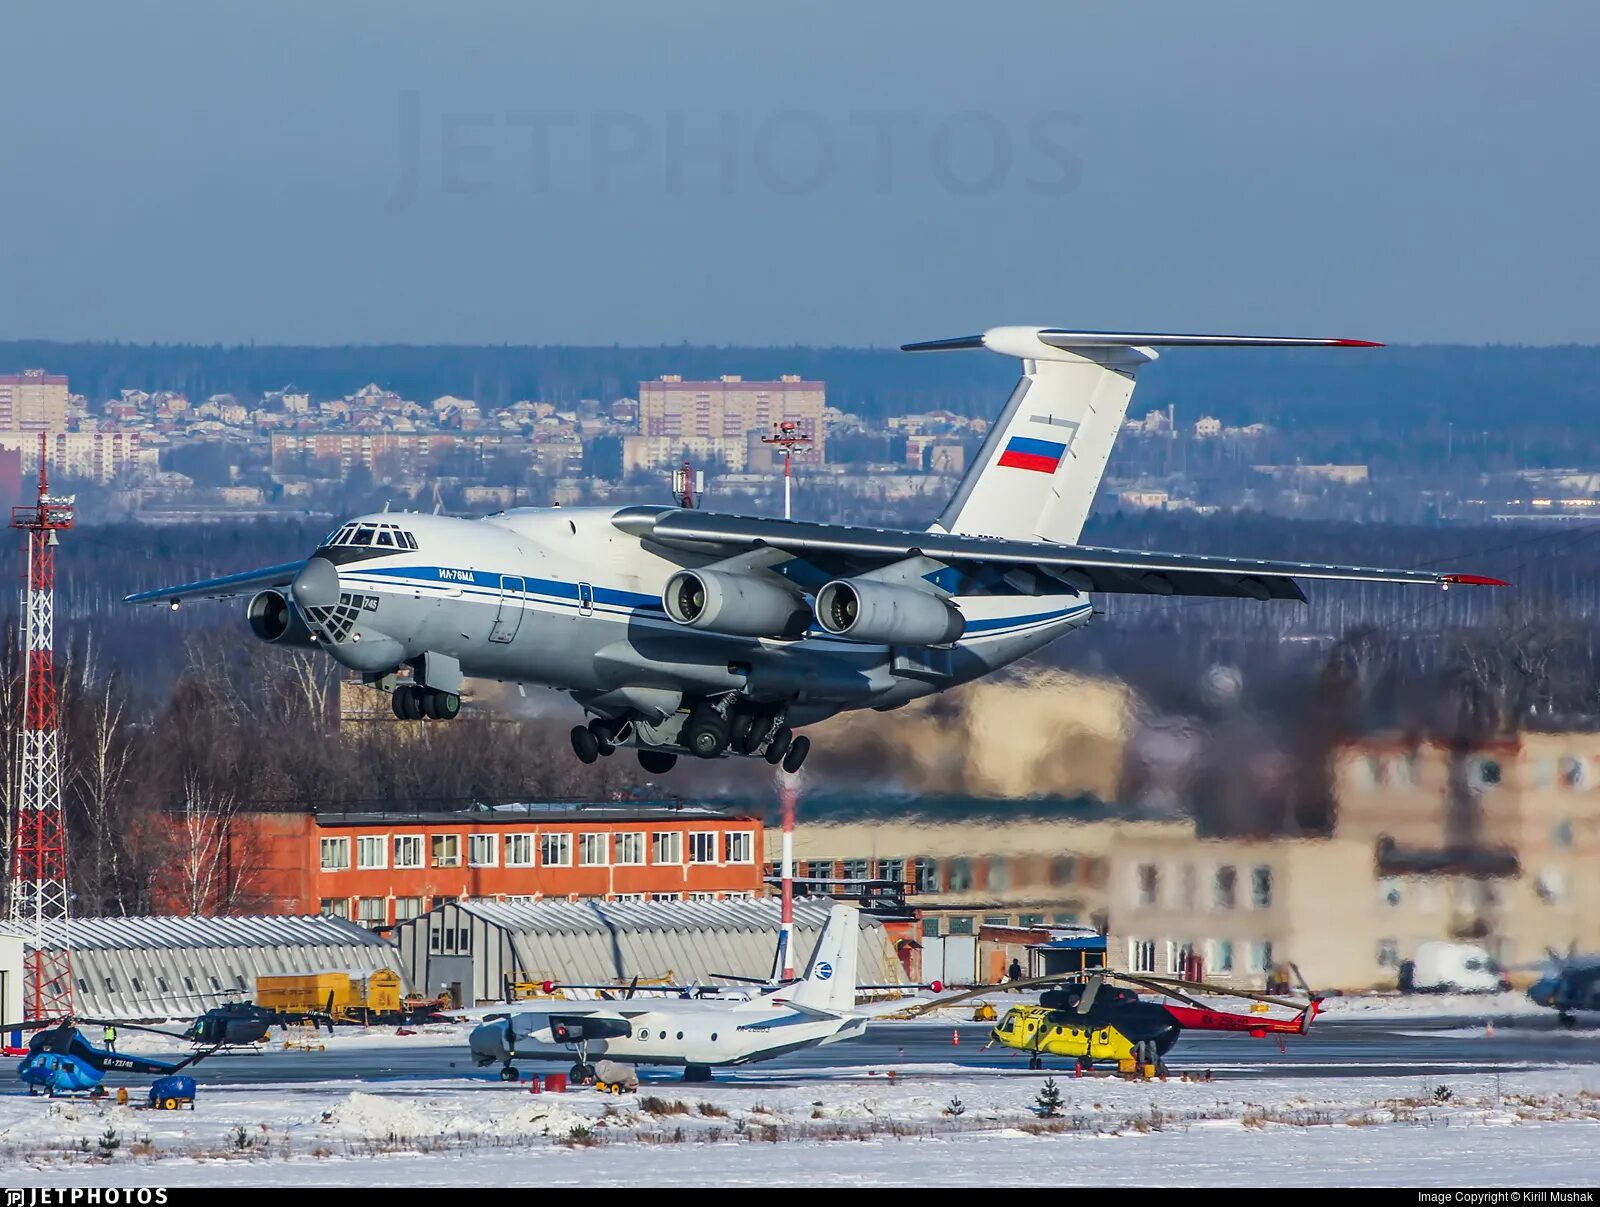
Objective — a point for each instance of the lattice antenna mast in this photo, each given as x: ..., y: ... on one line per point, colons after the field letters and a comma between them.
x: 40, y: 905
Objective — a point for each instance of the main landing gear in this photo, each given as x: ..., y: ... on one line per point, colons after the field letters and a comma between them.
x: 713, y: 727
x: 412, y: 702
x: 597, y: 739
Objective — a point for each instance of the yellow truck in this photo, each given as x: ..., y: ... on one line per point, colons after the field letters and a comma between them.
x: 346, y: 996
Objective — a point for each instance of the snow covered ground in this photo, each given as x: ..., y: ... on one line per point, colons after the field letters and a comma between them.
x: 937, y: 1125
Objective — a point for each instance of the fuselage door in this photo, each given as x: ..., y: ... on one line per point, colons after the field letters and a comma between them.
x: 508, y: 618
x: 585, y: 599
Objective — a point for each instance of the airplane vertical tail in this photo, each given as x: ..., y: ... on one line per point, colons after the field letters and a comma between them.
x: 1036, y: 477
x: 829, y: 982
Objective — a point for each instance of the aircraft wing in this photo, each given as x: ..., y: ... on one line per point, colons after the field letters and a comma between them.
x: 227, y: 587
x: 846, y: 549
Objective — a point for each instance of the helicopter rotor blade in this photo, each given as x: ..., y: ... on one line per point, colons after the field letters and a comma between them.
x: 1165, y: 990
x: 1085, y: 1002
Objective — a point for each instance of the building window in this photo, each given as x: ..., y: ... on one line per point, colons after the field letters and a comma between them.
x: 1261, y: 956
x: 702, y: 897
x: 1149, y: 884
x: 666, y: 896
x: 335, y: 907
x: 406, y: 908
x: 1388, y: 953
x: 372, y: 911
x: 408, y: 850
x: 372, y: 851
x: 1222, y: 955
x: 1224, y: 889
x: 856, y: 869
x: 519, y: 850
x: 999, y: 874
x: 744, y: 895
x: 1063, y: 870
x: 1066, y: 919
x: 1142, y: 955
x: 630, y: 849
x: 1261, y: 887
x: 997, y: 919
x: 666, y: 846
x: 961, y: 875
x: 447, y: 850
x: 629, y: 898
x: 741, y: 846
x: 1031, y: 920
x: 592, y: 849
x: 963, y: 924
x: 927, y: 873
x: 702, y: 847
x: 931, y: 928
x: 483, y: 850
x: 555, y: 850
x: 335, y: 854
x: 893, y: 870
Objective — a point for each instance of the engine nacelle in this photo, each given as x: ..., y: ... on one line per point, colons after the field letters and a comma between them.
x: 275, y: 620
x: 740, y: 605
x: 886, y: 614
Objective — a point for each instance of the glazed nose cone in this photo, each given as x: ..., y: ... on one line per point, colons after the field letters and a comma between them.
x: 317, y: 584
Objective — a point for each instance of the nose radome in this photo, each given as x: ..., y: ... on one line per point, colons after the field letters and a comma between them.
x: 317, y: 584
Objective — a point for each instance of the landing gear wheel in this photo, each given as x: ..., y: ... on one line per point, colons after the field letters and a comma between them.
x: 750, y: 740
x: 657, y: 762
x: 602, y: 737
x: 696, y: 1074
x: 779, y: 745
x: 509, y: 1074
x: 739, y: 731
x: 407, y: 702
x: 796, y: 756
x: 1567, y: 1019
x: 1036, y: 1061
x: 1084, y: 1067
x: 582, y: 1074
x: 429, y: 700
x: 445, y: 706
x: 584, y: 745
x: 706, y: 732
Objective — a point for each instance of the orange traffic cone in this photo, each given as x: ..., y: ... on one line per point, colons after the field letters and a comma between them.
x: 955, y: 1037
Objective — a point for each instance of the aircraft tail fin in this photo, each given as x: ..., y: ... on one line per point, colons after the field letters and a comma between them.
x: 829, y: 982
x: 1037, y: 474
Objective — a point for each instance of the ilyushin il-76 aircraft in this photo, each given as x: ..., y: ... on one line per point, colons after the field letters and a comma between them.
x: 688, y: 632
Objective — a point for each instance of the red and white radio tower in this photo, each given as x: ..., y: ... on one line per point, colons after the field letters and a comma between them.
x: 39, y: 901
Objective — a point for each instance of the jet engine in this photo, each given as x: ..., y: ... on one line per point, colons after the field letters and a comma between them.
x: 886, y: 614
x: 740, y: 605
x: 275, y: 620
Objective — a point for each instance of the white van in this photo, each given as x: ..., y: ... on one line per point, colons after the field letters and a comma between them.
x: 1451, y: 968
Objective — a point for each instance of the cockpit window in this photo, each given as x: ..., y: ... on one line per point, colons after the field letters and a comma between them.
x: 381, y: 536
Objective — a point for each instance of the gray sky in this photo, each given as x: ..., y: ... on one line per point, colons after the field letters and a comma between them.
x: 503, y: 170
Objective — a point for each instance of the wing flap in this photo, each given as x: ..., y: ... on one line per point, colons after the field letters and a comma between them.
x: 1085, y: 568
x: 229, y: 586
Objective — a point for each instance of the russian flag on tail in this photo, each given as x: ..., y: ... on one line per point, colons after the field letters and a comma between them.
x: 1024, y: 452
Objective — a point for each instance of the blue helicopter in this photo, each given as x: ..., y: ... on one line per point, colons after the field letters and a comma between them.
x: 61, y: 1061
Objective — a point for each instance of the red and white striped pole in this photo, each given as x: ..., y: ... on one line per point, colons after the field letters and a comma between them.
x: 788, y: 794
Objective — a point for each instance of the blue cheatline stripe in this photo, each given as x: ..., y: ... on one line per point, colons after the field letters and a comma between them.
x: 1035, y: 448
x: 624, y: 604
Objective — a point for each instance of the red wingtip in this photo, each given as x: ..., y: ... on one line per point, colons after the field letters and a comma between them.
x: 1474, y: 580
x: 1356, y: 343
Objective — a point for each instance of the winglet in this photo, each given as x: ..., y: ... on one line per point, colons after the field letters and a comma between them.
x: 1472, y: 580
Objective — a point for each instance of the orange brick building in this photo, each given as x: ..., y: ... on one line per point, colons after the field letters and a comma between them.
x: 381, y: 868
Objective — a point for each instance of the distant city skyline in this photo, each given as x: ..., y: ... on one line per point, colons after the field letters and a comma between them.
x: 632, y: 174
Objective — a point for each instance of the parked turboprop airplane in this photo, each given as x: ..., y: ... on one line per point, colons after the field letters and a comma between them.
x: 697, y: 1033
x: 686, y: 631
